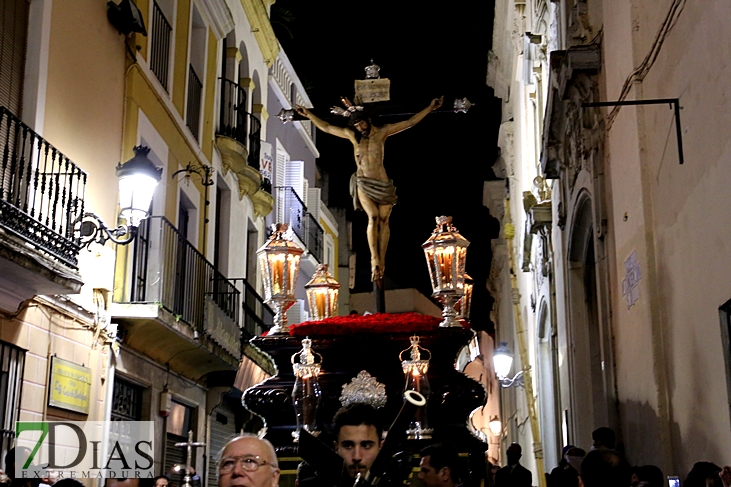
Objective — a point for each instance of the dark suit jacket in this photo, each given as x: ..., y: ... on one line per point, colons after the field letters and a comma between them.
x: 513, y: 477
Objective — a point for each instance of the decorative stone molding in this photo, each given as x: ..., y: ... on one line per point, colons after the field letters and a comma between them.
x: 233, y: 153
x: 258, y: 108
x: 540, y: 216
x: 258, y: 16
x: 249, y: 181
x: 571, y: 134
x: 218, y: 16
x: 263, y: 203
x: 233, y: 52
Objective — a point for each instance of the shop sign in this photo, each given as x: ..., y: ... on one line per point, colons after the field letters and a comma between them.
x: 69, y: 386
x: 266, y: 162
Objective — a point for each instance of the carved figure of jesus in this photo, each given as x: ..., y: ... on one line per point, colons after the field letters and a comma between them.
x: 370, y: 187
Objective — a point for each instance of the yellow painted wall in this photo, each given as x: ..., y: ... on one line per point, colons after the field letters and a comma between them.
x: 84, y: 97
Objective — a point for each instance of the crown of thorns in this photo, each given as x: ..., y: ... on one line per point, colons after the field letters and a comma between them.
x: 348, y: 110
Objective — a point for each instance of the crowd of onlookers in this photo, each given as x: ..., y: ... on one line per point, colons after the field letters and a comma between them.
x: 244, y: 461
x: 604, y: 466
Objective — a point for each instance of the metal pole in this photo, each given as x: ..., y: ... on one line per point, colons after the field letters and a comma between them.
x: 522, y: 347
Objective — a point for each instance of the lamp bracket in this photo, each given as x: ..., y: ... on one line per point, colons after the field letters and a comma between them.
x: 673, y: 102
x: 517, y: 381
x: 204, y: 171
x: 90, y: 228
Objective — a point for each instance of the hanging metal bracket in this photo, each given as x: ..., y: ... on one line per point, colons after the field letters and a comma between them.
x: 673, y: 102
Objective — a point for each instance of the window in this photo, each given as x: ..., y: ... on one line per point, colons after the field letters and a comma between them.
x: 14, y: 25
x: 180, y: 421
x: 196, y: 70
x: 127, y: 402
x: 12, y: 361
x: 160, y: 40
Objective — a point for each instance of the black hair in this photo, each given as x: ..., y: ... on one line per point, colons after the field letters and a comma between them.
x: 701, y: 472
x: 651, y: 475
x: 358, y: 116
x: 605, y: 468
x: 68, y: 482
x: 605, y: 436
x: 356, y: 415
x: 441, y: 456
x: 154, y: 481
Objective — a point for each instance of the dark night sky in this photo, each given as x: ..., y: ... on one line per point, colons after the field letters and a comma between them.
x: 438, y: 166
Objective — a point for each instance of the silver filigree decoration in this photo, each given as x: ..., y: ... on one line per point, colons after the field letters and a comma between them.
x: 364, y: 389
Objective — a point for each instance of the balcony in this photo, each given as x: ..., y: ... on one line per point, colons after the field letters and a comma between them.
x: 178, y: 298
x: 258, y: 316
x: 292, y: 210
x: 41, y: 197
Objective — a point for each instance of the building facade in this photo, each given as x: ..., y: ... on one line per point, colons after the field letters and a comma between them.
x: 158, y: 328
x: 298, y: 187
x: 619, y: 236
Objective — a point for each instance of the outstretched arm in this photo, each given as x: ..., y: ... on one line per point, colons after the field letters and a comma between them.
x: 394, y: 128
x: 322, y: 125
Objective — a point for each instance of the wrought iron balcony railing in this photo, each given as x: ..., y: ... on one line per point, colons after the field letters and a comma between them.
x: 161, y: 33
x: 237, y: 123
x: 169, y: 271
x: 41, y: 190
x: 314, y: 235
x: 291, y: 210
x: 258, y: 316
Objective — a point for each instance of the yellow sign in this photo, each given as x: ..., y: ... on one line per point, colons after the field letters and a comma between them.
x: 70, y: 386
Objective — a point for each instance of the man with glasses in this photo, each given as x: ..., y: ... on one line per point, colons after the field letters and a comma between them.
x: 247, y: 461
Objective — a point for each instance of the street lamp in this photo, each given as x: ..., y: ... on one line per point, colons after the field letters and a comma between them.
x: 496, y: 426
x: 502, y: 358
x: 279, y: 261
x: 138, y: 179
x: 446, y: 252
x: 322, y: 294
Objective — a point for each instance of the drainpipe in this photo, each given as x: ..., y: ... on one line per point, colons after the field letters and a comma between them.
x: 509, y: 229
x: 108, y: 394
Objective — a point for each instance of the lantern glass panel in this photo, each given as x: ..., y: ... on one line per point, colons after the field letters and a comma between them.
x: 293, y: 266
x: 276, y: 264
x: 461, y: 261
x: 502, y: 362
x: 135, y: 196
x: 429, y: 253
x: 445, y: 258
x: 266, y: 275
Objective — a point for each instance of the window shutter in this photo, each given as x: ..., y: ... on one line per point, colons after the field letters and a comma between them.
x: 280, y: 179
x: 295, y: 178
x: 13, y: 36
x: 313, y: 203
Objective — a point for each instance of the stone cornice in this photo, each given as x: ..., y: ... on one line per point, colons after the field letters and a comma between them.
x: 256, y: 13
x: 218, y: 16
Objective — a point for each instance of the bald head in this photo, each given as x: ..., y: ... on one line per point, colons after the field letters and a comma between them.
x: 255, y: 463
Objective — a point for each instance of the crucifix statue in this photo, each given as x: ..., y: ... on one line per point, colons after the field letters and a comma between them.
x: 370, y: 187
x: 189, y: 445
